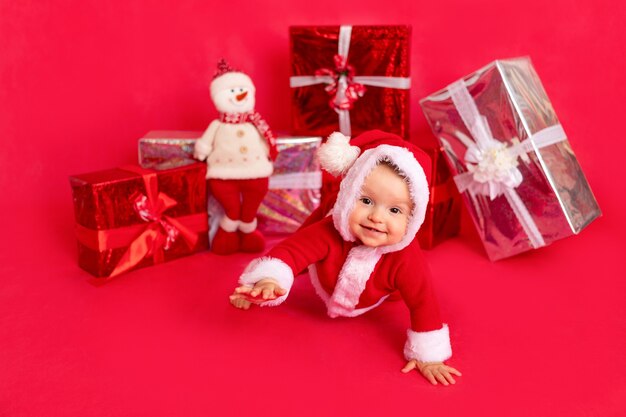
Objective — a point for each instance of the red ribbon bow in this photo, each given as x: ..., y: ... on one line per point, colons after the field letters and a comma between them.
x: 148, y: 213
x: 343, y: 94
x: 160, y: 231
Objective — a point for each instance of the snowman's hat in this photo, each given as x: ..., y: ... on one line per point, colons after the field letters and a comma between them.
x: 222, y: 68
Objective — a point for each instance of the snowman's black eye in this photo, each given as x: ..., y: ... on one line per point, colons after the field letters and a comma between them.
x: 232, y: 90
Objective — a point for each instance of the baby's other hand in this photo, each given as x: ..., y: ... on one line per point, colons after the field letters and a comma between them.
x: 433, y: 371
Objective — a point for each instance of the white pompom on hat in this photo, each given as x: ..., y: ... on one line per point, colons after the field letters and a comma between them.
x: 336, y: 155
x: 356, y: 158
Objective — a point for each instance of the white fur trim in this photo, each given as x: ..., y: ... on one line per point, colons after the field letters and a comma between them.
x: 353, y: 182
x: 248, y: 227
x: 267, y: 267
x: 321, y: 292
x: 336, y: 155
x: 433, y: 346
x: 353, y: 276
x: 228, y: 224
x: 317, y: 285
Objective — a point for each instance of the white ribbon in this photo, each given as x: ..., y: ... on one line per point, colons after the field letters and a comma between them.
x: 345, y: 33
x: 491, y: 164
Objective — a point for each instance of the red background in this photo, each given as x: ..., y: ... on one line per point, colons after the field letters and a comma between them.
x: 541, y: 334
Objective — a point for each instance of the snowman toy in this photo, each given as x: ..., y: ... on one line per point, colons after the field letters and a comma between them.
x: 239, y: 148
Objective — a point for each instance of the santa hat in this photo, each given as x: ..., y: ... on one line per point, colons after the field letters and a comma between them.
x: 357, y: 158
x: 227, y: 77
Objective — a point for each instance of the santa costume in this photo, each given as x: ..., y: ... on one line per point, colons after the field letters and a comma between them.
x: 352, y: 278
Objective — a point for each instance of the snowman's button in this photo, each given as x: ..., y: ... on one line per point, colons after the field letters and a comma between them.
x: 243, y: 150
x: 240, y: 133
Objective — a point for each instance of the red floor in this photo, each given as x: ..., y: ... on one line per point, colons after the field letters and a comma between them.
x: 539, y: 335
x: 542, y: 334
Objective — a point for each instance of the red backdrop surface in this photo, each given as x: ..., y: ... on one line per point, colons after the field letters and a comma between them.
x: 541, y: 334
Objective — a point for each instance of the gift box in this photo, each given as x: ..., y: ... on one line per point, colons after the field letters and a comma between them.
x: 510, y: 158
x: 443, y: 213
x: 131, y: 217
x: 167, y: 149
x: 350, y: 79
x: 294, y: 187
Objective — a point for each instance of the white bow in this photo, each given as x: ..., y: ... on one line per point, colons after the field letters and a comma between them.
x: 491, y: 164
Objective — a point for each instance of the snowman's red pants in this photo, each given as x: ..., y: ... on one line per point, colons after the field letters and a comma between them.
x: 239, y: 198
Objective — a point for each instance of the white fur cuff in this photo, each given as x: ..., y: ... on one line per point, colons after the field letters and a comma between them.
x: 248, y: 227
x: 267, y: 267
x: 433, y: 346
x: 228, y: 224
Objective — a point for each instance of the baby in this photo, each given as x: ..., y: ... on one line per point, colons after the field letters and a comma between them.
x: 365, y: 250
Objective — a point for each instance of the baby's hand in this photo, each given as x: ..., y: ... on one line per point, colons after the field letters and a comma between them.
x: 264, y: 290
x: 433, y: 371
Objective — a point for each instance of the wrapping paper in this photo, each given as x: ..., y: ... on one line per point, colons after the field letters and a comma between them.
x: 294, y: 186
x: 443, y: 214
x: 373, y: 55
x: 167, y: 149
x: 130, y: 217
x: 519, y: 177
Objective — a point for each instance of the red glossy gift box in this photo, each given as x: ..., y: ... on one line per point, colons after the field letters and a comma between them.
x: 130, y: 217
x: 350, y: 79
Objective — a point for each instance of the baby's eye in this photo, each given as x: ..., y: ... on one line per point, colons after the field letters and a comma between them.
x: 395, y: 210
x: 366, y: 200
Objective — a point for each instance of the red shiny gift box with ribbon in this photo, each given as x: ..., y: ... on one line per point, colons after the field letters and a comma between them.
x: 350, y: 79
x: 510, y: 158
x: 131, y: 217
x: 443, y: 214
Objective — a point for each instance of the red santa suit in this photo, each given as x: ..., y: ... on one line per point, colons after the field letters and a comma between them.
x: 353, y: 278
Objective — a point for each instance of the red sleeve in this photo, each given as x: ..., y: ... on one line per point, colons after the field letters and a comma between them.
x: 307, y: 246
x: 413, y: 280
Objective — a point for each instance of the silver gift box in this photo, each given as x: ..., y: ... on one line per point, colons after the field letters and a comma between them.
x: 294, y: 187
x: 165, y: 149
x: 510, y: 158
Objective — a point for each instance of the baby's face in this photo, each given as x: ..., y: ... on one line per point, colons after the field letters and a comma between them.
x: 381, y: 213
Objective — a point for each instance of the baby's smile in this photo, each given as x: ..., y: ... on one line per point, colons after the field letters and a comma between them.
x: 372, y: 229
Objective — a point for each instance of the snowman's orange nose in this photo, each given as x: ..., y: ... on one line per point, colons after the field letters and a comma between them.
x: 241, y: 96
